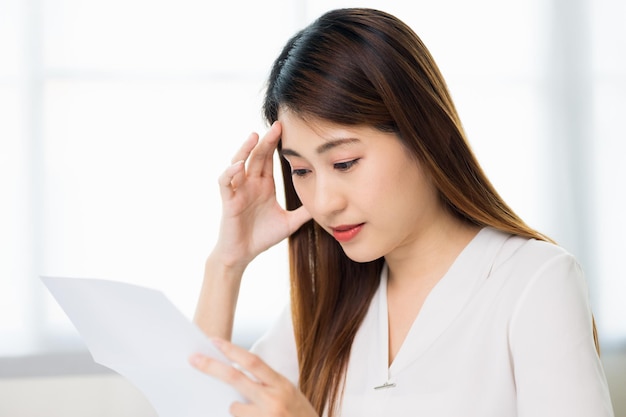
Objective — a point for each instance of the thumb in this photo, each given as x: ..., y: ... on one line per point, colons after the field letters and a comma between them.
x: 297, y: 218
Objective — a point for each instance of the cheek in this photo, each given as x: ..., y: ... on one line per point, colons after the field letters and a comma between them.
x: 382, y: 185
x: 395, y: 187
x: 374, y: 194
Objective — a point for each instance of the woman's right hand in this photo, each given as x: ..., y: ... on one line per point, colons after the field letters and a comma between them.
x: 252, y: 219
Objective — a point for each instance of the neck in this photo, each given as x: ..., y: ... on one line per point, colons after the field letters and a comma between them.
x: 428, y: 256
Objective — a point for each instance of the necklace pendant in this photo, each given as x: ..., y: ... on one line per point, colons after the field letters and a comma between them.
x: 386, y: 385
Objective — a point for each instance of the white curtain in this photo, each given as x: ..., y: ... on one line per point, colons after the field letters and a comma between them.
x: 117, y: 117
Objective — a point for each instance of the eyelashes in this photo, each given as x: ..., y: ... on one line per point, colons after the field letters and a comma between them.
x: 299, y: 172
x: 344, y: 166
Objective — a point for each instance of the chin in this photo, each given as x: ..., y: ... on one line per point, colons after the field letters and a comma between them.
x: 361, y: 256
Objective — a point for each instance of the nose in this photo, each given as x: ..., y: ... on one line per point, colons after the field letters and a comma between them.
x: 329, y: 196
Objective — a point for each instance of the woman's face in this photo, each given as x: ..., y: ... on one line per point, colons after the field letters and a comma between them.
x: 360, y: 184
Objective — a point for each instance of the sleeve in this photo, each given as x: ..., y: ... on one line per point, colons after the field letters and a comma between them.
x: 277, y: 347
x: 557, y: 369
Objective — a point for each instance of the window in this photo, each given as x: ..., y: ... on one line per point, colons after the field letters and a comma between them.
x: 117, y: 117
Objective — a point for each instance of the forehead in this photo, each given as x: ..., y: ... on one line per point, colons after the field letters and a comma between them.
x: 299, y: 131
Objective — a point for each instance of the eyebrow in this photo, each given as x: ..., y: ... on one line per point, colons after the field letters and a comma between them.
x: 325, y: 147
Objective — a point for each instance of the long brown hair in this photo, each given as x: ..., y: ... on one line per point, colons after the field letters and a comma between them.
x: 366, y: 67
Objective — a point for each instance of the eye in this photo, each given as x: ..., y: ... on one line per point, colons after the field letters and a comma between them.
x: 299, y: 172
x: 345, y: 166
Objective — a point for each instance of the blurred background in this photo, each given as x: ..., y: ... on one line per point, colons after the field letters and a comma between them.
x: 116, y: 118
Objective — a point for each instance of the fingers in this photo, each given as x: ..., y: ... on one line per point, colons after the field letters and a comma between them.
x: 252, y: 375
x: 248, y: 361
x: 247, y: 147
x: 234, y: 175
x: 261, y: 158
x: 266, y: 391
x: 227, y: 374
x: 231, y: 178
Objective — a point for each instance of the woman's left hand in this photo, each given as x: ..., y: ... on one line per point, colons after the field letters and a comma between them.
x: 269, y: 393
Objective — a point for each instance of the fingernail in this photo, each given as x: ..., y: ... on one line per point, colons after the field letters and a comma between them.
x: 219, y: 343
x: 196, y: 359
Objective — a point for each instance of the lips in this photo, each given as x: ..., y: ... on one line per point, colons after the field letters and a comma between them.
x: 345, y: 233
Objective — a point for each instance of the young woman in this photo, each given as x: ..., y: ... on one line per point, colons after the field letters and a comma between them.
x: 415, y: 290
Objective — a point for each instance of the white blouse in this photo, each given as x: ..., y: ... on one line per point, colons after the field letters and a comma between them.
x: 506, y: 332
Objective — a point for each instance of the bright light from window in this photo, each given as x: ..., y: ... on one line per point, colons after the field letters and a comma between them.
x: 116, y: 118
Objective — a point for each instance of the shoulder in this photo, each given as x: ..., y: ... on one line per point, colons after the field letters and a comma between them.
x: 526, y: 259
x: 532, y: 274
x: 544, y: 252
x: 550, y: 333
x: 549, y: 271
x: 545, y: 287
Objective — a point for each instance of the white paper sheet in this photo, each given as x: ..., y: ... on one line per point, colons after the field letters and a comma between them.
x: 141, y: 335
